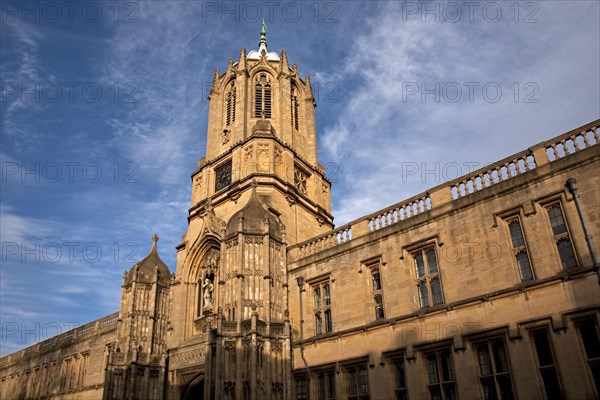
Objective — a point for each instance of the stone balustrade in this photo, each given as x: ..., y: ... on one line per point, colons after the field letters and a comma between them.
x: 80, y: 332
x: 487, y: 176
x: 571, y: 142
x: 106, y: 321
x: 326, y: 241
x: 512, y: 166
x: 399, y: 211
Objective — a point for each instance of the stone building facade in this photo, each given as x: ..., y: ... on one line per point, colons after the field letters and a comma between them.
x: 483, y: 287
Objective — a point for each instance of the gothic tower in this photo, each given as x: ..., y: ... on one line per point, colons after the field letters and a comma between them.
x: 259, y: 189
x: 136, y: 363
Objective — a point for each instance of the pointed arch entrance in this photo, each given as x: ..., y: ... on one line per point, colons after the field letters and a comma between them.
x: 195, y: 390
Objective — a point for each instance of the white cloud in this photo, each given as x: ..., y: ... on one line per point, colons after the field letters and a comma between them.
x: 378, y: 132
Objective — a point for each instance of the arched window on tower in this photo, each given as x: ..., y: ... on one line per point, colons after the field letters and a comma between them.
x: 230, y: 104
x: 262, y: 97
x: 295, y: 106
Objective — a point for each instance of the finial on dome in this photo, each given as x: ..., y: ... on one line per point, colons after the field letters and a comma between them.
x: 154, y: 240
x: 262, y: 43
x: 263, y: 31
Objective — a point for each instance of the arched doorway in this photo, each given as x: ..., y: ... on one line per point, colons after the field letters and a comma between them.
x: 195, y: 390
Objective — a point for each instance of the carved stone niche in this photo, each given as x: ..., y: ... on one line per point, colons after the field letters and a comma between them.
x: 211, y: 261
x: 209, y: 268
x: 225, y: 137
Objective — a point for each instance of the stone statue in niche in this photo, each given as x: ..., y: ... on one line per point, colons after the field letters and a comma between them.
x: 208, y: 292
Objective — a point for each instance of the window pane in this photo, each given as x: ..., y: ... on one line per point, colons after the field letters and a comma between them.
x: 352, y: 383
x: 318, y: 323
x: 446, y: 361
x: 542, y: 347
x: 330, y: 385
x: 328, y: 324
x: 423, y: 299
x: 379, y: 307
x: 450, y: 392
x: 419, y: 265
x: 436, y: 291
x: 556, y: 220
x: 400, y: 377
x: 505, y: 386
x: 551, y: 383
x: 320, y: 386
x: 326, y: 297
x: 317, y: 297
x: 435, y: 393
x: 485, y: 364
x: 524, y: 267
x: 376, y: 279
x: 567, y: 257
x: 301, y: 388
x: 432, y: 261
x: 432, y: 371
x: 500, y: 360
x: 489, y: 388
x: 516, y: 234
x: 364, y: 380
x: 589, y: 336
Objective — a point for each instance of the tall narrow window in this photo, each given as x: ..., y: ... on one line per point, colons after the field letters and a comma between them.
x: 546, y: 364
x: 429, y: 285
x: 230, y: 105
x: 322, y: 307
x: 519, y: 248
x: 494, y: 371
x: 358, y: 382
x: 262, y: 97
x: 295, y: 106
x: 85, y: 358
x: 588, y: 332
x: 400, y: 378
x: 301, y: 389
x: 440, y: 375
x: 377, y: 294
x: 561, y: 236
x: 325, y: 384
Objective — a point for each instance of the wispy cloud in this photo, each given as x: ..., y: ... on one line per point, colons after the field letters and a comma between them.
x: 147, y: 130
x: 399, y: 116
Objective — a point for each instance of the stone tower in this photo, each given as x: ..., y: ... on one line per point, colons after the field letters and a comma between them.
x: 258, y: 189
x: 136, y: 364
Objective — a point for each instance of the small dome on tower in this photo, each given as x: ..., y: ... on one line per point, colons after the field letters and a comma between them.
x: 145, y: 270
x: 262, y: 47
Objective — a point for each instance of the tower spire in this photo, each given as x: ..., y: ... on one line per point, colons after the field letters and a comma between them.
x: 262, y: 44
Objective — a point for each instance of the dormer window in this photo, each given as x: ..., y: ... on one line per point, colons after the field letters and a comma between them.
x: 262, y: 97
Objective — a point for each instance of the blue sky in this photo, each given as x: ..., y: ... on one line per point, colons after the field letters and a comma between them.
x: 103, y: 119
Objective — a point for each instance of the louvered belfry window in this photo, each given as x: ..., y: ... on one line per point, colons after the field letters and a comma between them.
x: 230, y: 105
x: 262, y: 97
